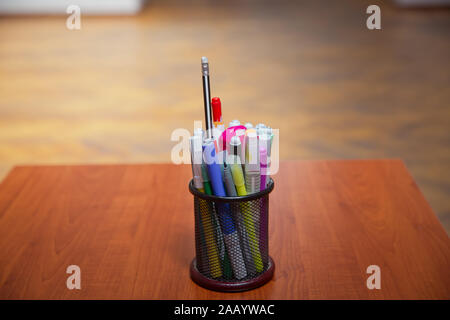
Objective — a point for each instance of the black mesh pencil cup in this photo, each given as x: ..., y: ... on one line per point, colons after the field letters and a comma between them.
x: 231, y: 241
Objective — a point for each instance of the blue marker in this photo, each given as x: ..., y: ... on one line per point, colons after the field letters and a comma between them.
x: 229, y: 231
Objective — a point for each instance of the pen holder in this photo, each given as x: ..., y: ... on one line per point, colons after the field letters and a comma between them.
x: 231, y: 241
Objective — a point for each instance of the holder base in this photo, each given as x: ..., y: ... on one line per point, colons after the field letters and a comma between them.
x: 237, y: 286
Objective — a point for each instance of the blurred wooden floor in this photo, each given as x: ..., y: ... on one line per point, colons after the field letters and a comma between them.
x: 115, y: 90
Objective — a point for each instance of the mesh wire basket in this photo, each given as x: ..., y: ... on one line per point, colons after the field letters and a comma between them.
x: 231, y: 241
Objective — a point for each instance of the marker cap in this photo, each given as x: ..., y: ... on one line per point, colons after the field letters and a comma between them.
x: 235, y: 142
x: 234, y: 123
x: 263, y: 130
x: 217, y: 109
x: 198, y: 132
x: 209, y: 152
x: 237, y: 146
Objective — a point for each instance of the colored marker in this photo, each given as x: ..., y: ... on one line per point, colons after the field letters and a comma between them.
x: 206, y: 227
x: 263, y: 213
x: 226, y: 136
x: 230, y: 234
x: 196, y: 160
x: 259, y: 127
x: 208, y: 238
x: 263, y: 161
x: 249, y: 230
x: 234, y: 161
x: 268, y: 132
x: 206, y: 184
x: 225, y: 260
x: 198, y: 132
x: 234, y: 123
x: 240, y: 133
x: 217, y: 111
x: 228, y: 180
x: 252, y: 169
x: 236, y: 148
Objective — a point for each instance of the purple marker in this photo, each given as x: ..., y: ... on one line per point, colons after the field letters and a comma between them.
x: 263, y: 223
x: 263, y: 159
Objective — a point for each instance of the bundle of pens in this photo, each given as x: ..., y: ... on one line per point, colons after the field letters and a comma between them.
x: 230, y: 184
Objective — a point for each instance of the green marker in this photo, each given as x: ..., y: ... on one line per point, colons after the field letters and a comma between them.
x: 206, y: 184
x: 225, y: 260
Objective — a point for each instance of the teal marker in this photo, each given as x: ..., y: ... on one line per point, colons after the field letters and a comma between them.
x: 206, y: 183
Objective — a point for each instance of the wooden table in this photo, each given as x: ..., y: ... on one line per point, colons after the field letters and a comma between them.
x: 130, y: 229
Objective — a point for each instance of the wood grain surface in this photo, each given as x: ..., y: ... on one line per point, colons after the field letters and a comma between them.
x: 130, y: 228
